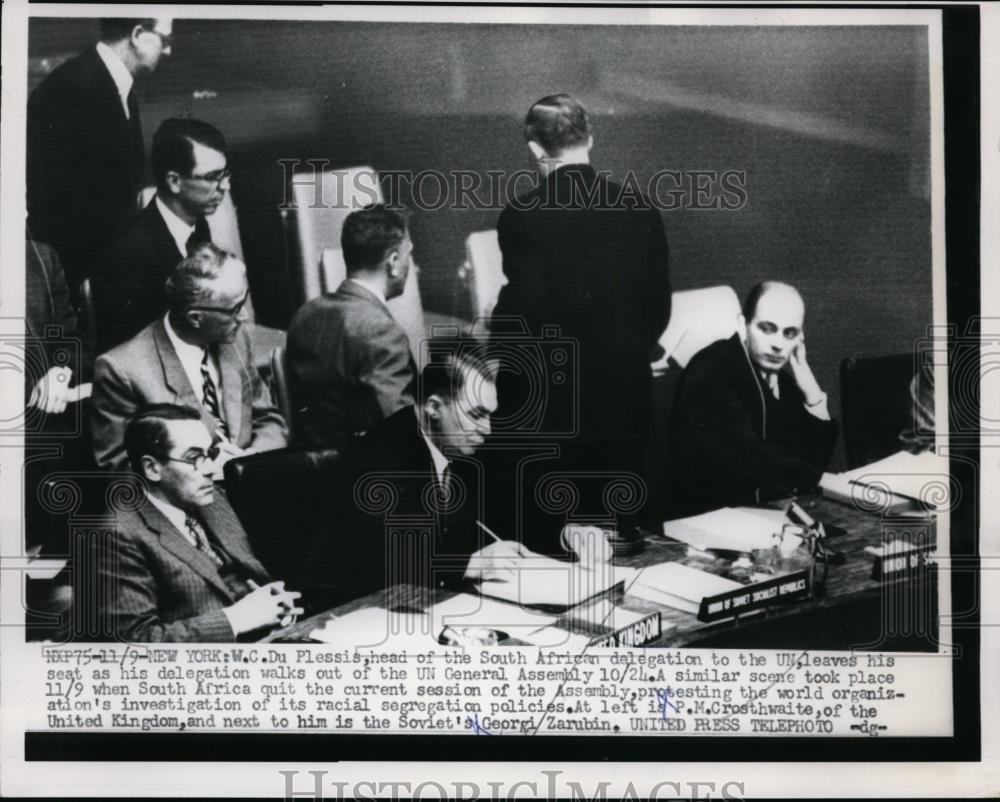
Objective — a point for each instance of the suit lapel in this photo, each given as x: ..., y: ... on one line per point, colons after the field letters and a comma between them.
x: 178, y: 545
x: 225, y: 527
x: 231, y: 373
x: 176, y: 379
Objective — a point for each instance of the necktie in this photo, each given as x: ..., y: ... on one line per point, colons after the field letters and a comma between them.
x: 201, y: 539
x: 209, y: 396
x: 446, y: 484
x: 200, y: 236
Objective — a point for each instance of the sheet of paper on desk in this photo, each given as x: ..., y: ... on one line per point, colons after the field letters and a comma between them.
x: 679, y: 586
x: 923, y: 477
x: 730, y: 528
x: 373, y: 626
x: 562, y: 586
x: 466, y: 610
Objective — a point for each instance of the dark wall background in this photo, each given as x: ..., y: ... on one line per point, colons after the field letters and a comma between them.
x: 830, y: 126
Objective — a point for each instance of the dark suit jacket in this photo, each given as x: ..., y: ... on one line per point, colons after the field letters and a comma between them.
x: 49, y: 317
x: 129, y: 277
x: 146, y: 370
x: 85, y: 161
x: 162, y: 588
x: 597, y: 269
x: 733, y: 442
x: 387, y: 486
x: 349, y: 366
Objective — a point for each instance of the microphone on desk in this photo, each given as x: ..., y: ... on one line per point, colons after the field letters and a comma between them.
x: 798, y: 515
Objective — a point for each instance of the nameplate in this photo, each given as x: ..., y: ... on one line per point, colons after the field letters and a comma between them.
x: 645, y: 630
x: 790, y: 587
x: 899, y: 564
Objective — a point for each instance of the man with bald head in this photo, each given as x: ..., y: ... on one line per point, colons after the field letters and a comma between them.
x: 751, y: 422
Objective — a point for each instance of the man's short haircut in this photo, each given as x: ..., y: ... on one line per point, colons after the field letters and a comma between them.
x: 557, y: 123
x: 368, y: 235
x: 757, y: 292
x: 173, y: 146
x: 146, y: 431
x: 449, y: 363
x: 187, y: 284
x: 114, y: 29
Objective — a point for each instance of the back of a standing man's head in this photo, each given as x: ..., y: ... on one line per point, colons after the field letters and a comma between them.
x: 557, y: 123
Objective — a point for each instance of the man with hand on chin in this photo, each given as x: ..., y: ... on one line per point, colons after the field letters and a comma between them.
x: 751, y: 422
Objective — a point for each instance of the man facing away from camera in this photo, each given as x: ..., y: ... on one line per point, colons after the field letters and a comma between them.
x: 751, y: 422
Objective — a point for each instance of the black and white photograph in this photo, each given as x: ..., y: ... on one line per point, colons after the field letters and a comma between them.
x: 379, y: 378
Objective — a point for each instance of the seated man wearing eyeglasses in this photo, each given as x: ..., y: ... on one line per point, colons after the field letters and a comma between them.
x: 179, y: 567
x: 192, y: 178
x: 197, y: 354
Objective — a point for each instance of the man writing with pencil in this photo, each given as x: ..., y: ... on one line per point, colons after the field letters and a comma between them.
x: 410, y: 507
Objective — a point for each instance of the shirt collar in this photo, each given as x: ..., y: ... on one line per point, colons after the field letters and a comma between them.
x: 175, y: 515
x: 440, y: 460
x: 179, y: 229
x: 186, y: 352
x: 372, y: 287
x: 119, y: 72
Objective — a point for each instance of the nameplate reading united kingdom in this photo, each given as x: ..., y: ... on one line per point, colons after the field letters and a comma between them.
x: 645, y: 630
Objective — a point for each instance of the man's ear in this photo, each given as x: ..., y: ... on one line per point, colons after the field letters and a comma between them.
x: 194, y: 318
x: 137, y: 31
x: 590, y: 141
x: 537, y: 151
x: 172, y: 180
x: 151, y: 469
x: 392, y: 263
x: 432, y: 407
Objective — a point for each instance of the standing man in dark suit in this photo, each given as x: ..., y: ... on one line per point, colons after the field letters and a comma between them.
x: 85, y: 149
x: 180, y: 567
x: 198, y: 355
x: 585, y: 255
x: 751, y: 422
x: 192, y: 178
x: 349, y: 361
x: 411, y: 490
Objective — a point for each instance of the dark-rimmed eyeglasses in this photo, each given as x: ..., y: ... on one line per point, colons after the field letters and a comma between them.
x: 231, y: 312
x: 166, y: 39
x: 198, y: 460
x: 215, y: 177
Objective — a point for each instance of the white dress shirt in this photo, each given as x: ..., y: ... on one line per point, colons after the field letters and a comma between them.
x: 190, y: 357
x: 439, y: 459
x: 119, y: 73
x: 179, y: 229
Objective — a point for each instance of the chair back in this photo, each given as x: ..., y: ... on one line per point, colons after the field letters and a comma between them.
x: 277, y: 496
x: 697, y: 318
x: 280, y: 389
x: 875, y: 405
x: 407, y: 309
x: 88, y: 313
x: 485, y: 268
x: 321, y: 203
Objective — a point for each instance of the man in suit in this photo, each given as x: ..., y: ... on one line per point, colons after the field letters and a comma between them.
x: 192, y: 178
x: 751, y: 422
x: 86, y: 156
x: 198, y: 354
x: 180, y: 567
x: 349, y: 361
x: 588, y: 256
x: 411, y: 490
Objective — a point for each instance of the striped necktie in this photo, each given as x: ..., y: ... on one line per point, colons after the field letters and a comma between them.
x: 201, y: 539
x: 209, y: 395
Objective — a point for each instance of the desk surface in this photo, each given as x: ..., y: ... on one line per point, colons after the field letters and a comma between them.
x: 846, y: 584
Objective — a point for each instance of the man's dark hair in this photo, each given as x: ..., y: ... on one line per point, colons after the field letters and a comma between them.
x: 368, y: 235
x: 449, y: 363
x: 758, y: 291
x: 557, y: 123
x: 173, y: 146
x: 114, y: 29
x: 146, y: 432
x: 187, y: 286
